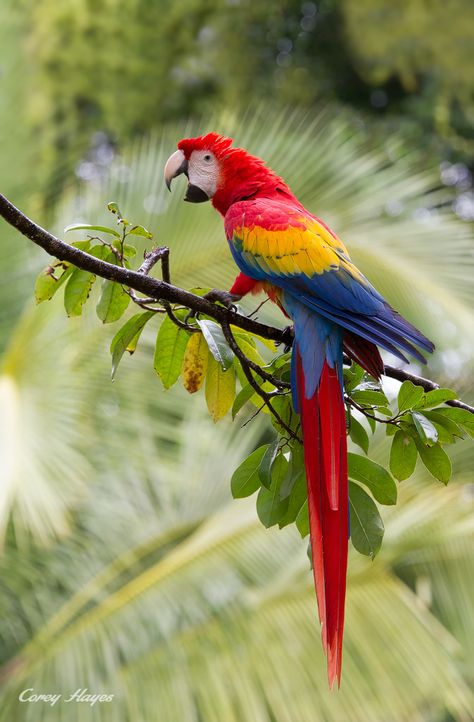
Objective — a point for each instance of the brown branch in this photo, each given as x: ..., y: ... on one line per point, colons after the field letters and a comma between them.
x: 164, y: 292
x: 427, y: 384
x: 152, y: 257
x: 153, y: 287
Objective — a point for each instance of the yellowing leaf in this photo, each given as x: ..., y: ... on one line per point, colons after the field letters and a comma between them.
x: 51, y: 279
x: 220, y: 389
x: 195, y: 363
x: 249, y: 337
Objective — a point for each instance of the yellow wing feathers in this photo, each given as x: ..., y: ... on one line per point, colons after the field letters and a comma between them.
x: 306, y: 247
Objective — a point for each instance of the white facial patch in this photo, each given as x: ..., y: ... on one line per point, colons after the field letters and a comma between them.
x: 203, y: 171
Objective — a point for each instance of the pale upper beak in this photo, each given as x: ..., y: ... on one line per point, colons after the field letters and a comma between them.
x: 175, y: 165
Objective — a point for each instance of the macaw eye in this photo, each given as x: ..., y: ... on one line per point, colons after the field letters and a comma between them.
x: 207, y: 157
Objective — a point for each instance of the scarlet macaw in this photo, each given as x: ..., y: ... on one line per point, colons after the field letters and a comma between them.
x: 283, y: 249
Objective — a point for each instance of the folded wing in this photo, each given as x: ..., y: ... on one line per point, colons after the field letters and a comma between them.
x: 296, y: 252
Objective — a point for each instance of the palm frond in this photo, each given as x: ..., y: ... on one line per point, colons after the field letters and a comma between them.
x: 224, y: 611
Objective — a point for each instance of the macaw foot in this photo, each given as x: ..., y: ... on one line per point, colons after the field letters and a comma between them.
x: 225, y: 298
x: 288, y: 334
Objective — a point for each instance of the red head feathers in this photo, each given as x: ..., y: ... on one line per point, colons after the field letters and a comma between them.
x: 217, y: 144
x: 240, y: 174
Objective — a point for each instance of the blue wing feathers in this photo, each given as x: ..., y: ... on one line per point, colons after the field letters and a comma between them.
x: 341, y: 299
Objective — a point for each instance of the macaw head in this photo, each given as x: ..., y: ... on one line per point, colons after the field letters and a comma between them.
x: 216, y: 171
x: 201, y: 160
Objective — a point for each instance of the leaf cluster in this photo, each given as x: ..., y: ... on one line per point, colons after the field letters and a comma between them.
x: 238, y: 373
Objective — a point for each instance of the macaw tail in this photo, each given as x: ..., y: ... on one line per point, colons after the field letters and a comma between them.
x: 323, y: 422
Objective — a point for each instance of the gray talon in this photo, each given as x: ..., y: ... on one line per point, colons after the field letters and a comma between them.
x: 288, y: 334
x: 223, y: 297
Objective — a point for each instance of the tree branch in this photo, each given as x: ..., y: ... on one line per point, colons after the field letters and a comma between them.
x: 162, y: 290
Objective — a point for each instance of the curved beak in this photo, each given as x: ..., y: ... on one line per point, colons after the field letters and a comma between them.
x: 175, y: 165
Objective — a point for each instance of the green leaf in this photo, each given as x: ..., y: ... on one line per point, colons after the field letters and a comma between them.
x: 372, y: 423
x: 51, y: 279
x: 265, y: 470
x: 409, y: 396
x: 271, y: 508
x: 113, y: 208
x: 297, y: 499
x: 403, y: 455
x: 302, y: 520
x: 195, y: 362
x: 87, y: 227
x: 113, y: 302
x: 171, y: 343
x: 248, y: 347
x: 436, y: 460
x: 77, y: 291
x: 445, y: 436
x: 126, y: 338
x: 126, y: 249
x: 295, y: 469
x: 251, y: 339
x: 374, y: 476
x: 358, y: 434
x: 437, y: 397
x: 220, y: 388
x: 366, y: 523
x: 218, y: 346
x: 426, y: 431
x: 245, y: 479
x: 352, y: 377
x: 244, y: 395
x: 100, y: 251
x: 82, y: 245
x: 460, y: 416
x: 199, y: 291
x: 140, y: 231
x: 283, y: 406
x: 384, y: 410
x: 369, y: 386
x: 443, y: 422
x: 370, y: 397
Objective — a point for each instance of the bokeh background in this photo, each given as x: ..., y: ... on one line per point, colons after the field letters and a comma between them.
x: 126, y: 568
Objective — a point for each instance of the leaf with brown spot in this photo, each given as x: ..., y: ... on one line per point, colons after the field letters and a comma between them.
x: 195, y: 363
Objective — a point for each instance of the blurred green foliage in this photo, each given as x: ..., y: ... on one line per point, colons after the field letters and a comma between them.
x: 427, y: 48
x: 125, y: 66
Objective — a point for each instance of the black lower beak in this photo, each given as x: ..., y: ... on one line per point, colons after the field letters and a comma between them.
x: 194, y: 194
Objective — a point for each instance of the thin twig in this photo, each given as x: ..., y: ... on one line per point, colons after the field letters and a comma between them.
x: 256, y: 310
x: 401, y: 375
x: 264, y: 395
x: 364, y: 410
x: 152, y: 257
x: 254, y: 415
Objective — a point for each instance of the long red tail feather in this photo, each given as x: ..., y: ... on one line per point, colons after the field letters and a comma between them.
x: 325, y: 450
